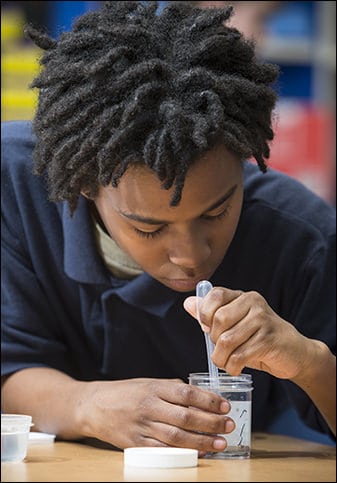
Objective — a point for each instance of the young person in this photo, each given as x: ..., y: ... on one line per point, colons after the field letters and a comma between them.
x: 143, y: 147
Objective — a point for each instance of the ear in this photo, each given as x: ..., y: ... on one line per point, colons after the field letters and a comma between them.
x: 86, y: 194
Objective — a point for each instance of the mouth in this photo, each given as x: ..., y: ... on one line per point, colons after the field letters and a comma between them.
x: 184, y: 284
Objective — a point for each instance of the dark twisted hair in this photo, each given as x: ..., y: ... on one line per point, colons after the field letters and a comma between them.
x: 128, y: 86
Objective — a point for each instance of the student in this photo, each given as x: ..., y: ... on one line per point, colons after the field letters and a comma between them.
x: 149, y: 150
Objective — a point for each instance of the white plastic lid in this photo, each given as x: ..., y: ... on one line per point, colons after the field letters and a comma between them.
x: 40, y: 438
x: 158, y: 457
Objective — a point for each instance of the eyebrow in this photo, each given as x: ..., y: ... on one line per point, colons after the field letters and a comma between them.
x: 154, y: 221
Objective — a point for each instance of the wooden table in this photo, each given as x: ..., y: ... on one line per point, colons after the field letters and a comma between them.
x: 274, y: 458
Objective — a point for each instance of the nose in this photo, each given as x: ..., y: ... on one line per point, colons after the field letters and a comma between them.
x: 189, y: 249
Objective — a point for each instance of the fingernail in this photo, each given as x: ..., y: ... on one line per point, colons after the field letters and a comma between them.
x: 219, y: 444
x: 230, y: 426
x: 225, y: 407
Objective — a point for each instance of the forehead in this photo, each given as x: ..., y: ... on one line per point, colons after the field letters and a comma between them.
x: 207, y: 180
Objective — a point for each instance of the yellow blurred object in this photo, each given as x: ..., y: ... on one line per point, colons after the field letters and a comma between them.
x: 17, y: 104
x: 23, y: 61
x: 19, y: 66
x: 12, y: 98
x: 12, y: 22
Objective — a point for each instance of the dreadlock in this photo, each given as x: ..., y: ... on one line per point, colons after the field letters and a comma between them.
x: 130, y: 86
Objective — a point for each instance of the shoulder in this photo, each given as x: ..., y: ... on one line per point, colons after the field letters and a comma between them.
x: 22, y: 190
x: 283, y: 199
x: 17, y: 143
x: 16, y: 129
x: 16, y: 135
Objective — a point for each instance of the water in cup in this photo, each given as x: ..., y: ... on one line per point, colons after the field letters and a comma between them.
x: 238, y: 391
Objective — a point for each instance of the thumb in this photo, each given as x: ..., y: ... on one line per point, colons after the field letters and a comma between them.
x: 190, y: 305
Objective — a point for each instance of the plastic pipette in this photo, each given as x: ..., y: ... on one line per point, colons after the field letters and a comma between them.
x: 203, y: 287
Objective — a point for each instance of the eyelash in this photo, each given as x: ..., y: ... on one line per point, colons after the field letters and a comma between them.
x: 153, y: 234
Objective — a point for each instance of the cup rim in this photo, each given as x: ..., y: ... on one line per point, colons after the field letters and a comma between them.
x: 17, y: 417
x: 223, y: 376
x: 18, y: 421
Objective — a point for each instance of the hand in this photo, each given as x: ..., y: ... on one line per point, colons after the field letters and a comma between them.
x: 155, y: 412
x: 248, y: 333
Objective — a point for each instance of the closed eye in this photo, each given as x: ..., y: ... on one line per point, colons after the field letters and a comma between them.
x: 149, y: 234
x: 218, y: 216
x: 153, y: 234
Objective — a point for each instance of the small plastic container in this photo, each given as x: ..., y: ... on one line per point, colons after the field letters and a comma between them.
x: 15, y: 430
x: 238, y: 391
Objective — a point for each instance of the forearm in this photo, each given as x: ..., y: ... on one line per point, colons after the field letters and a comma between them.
x: 318, y: 380
x: 52, y: 398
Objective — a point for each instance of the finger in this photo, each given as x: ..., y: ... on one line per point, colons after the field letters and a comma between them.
x: 229, y: 332
x: 177, y: 437
x: 190, y: 305
x: 222, y: 296
x: 230, y: 315
x: 247, y: 354
x: 192, y: 419
x: 216, y: 298
x: 188, y: 395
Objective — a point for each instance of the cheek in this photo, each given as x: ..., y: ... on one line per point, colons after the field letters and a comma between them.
x: 235, y: 212
x: 144, y: 252
x: 223, y: 233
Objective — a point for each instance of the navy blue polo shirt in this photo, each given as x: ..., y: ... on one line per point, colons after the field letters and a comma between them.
x: 62, y: 308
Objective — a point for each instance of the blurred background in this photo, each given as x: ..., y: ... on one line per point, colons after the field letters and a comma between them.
x: 300, y: 36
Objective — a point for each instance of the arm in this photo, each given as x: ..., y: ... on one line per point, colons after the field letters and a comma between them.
x: 248, y: 333
x: 318, y: 380
x: 51, y: 397
x: 134, y: 412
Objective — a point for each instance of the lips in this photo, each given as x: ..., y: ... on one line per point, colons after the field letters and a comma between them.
x: 184, y: 284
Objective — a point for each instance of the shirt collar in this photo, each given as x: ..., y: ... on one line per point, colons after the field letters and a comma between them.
x: 83, y: 264
x: 81, y: 259
x: 146, y: 293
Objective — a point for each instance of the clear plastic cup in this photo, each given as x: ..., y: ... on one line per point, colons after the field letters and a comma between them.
x: 238, y: 391
x: 15, y: 430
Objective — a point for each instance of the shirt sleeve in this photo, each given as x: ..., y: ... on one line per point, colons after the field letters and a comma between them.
x: 313, y: 311
x: 30, y: 331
